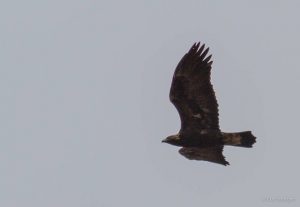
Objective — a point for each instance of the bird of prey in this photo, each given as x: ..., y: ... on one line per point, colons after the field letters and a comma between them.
x: 194, y: 98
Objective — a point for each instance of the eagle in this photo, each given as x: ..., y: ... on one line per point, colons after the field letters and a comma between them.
x: 194, y: 98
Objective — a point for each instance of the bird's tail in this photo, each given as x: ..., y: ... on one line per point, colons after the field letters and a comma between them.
x: 239, y: 139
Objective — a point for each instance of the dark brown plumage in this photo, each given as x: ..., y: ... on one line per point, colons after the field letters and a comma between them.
x: 194, y: 98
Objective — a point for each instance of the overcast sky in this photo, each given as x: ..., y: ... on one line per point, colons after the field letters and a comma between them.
x: 84, y: 102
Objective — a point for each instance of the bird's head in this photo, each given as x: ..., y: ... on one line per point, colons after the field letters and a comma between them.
x: 173, y: 139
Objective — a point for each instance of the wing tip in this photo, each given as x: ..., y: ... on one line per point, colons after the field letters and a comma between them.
x: 199, y: 51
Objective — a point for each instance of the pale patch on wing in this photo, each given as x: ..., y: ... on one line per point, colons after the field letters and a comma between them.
x: 204, y: 131
x: 197, y: 116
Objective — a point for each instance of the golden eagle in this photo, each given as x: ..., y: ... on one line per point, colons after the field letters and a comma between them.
x: 193, y: 96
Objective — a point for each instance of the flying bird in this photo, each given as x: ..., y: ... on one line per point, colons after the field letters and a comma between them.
x: 194, y: 98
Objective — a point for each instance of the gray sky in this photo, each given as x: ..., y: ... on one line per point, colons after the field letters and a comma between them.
x: 84, y: 102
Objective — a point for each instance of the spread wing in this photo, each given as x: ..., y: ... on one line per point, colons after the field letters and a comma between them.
x: 192, y: 93
x: 210, y: 154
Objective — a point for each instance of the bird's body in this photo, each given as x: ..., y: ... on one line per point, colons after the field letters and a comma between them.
x: 197, y: 140
x: 194, y: 98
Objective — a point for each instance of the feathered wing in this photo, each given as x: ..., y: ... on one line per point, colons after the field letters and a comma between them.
x: 192, y: 92
x: 210, y: 154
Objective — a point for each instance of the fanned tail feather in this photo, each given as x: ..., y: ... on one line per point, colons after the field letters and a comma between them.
x: 240, y: 139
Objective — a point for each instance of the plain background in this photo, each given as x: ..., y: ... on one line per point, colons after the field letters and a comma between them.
x: 84, y: 102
